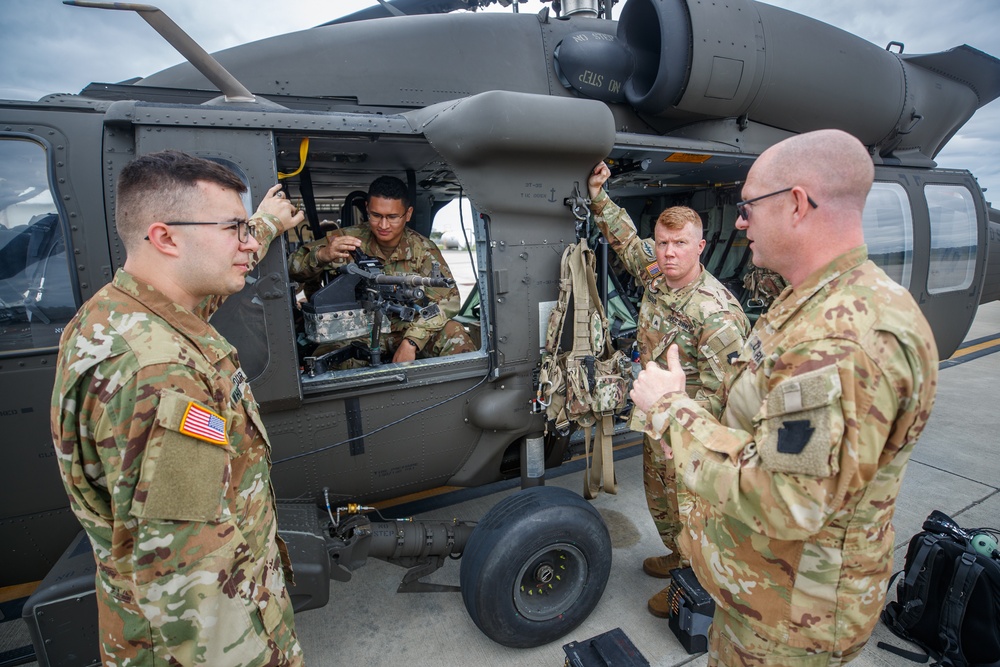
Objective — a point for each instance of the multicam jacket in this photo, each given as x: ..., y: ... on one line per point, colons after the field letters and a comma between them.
x: 166, y: 462
x: 796, y: 488
x: 703, y: 317
x: 414, y: 255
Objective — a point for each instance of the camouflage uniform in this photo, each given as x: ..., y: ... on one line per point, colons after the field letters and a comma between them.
x: 167, y: 465
x: 435, y: 333
x: 795, y: 489
x: 707, y: 324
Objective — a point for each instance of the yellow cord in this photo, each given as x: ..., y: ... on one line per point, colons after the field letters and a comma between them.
x: 303, y: 151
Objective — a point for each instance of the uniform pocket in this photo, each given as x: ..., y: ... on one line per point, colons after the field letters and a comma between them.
x: 611, y: 383
x: 722, y: 348
x: 182, y: 478
x: 803, y: 425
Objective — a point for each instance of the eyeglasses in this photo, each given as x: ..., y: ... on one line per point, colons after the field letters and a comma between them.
x: 244, y: 230
x: 392, y: 218
x: 741, y: 207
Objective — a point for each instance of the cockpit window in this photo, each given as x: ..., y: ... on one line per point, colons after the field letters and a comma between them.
x: 888, y: 230
x: 36, y: 291
x: 954, y: 238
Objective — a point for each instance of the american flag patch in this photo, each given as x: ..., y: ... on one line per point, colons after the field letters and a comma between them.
x: 653, y: 269
x: 204, y: 425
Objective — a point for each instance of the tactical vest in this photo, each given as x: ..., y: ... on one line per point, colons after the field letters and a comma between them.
x: 588, y: 384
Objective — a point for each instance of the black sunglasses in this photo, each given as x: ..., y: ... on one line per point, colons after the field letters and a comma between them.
x: 741, y: 207
x: 244, y: 230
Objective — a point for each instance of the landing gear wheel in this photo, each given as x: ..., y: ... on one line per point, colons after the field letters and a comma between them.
x: 535, y: 566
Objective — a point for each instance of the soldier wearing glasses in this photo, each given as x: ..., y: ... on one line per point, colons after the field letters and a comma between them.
x: 402, y: 251
x: 796, y: 483
x: 160, y: 443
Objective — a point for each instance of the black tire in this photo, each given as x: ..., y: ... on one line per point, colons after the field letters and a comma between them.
x: 535, y: 566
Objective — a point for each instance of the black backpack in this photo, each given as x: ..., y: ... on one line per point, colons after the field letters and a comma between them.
x: 948, y: 601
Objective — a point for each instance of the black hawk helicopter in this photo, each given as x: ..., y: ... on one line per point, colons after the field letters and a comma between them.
x: 508, y: 110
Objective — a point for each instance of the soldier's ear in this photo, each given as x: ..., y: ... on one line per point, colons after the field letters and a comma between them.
x: 161, y: 237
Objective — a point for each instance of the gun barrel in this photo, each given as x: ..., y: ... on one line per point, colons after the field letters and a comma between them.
x: 414, y: 281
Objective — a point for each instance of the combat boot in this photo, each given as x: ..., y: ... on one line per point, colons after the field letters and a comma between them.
x: 659, y: 605
x: 660, y: 566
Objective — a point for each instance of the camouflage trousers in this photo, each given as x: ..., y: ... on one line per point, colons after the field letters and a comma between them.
x: 451, y: 339
x: 732, y: 643
x: 126, y: 637
x: 663, y: 495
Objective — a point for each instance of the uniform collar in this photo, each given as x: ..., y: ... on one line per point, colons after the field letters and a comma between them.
x: 401, y: 251
x: 202, y: 334
x: 791, y: 300
x: 659, y: 284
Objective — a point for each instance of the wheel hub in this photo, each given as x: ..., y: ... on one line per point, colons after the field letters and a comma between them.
x: 550, y: 582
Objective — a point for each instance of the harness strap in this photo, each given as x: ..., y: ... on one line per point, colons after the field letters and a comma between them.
x: 602, y: 473
x: 963, y: 581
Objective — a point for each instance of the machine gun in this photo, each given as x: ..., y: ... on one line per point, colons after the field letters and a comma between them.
x: 357, y: 304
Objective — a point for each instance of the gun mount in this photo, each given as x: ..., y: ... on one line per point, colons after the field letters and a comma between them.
x: 355, y: 307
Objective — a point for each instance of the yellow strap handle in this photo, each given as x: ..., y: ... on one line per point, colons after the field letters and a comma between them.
x: 303, y: 151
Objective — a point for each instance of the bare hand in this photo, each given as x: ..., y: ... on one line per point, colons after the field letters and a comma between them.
x: 668, y: 451
x: 598, y: 177
x: 275, y: 203
x: 653, y: 382
x: 405, y: 352
x: 337, y: 247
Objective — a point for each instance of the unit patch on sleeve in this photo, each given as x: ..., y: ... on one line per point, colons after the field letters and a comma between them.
x: 793, y: 436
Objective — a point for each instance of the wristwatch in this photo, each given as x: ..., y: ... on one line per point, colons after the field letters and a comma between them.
x: 411, y: 343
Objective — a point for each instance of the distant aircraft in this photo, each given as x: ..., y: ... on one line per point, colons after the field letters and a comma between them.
x: 511, y: 110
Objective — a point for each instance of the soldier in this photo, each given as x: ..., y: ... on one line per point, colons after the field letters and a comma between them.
x: 683, y: 304
x: 794, y: 488
x: 160, y: 443
x: 402, y: 251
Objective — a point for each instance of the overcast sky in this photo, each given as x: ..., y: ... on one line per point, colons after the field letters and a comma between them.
x: 48, y: 47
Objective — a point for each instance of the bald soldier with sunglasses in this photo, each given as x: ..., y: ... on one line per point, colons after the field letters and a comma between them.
x: 160, y: 443
x: 795, y: 484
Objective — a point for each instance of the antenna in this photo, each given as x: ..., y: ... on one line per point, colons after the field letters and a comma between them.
x: 232, y: 90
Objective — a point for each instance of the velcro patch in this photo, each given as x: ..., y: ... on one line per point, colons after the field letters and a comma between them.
x: 722, y: 348
x: 653, y: 269
x: 803, y: 425
x: 203, y: 424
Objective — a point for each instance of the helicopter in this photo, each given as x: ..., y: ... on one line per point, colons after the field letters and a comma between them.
x: 508, y: 112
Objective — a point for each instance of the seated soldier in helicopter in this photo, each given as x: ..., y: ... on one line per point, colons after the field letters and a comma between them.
x: 402, y: 251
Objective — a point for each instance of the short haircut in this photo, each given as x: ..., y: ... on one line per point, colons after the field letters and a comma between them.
x: 678, y: 217
x: 158, y: 187
x: 832, y: 165
x: 389, y: 187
